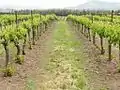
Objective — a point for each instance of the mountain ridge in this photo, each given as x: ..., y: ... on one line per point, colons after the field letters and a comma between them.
x: 97, y: 5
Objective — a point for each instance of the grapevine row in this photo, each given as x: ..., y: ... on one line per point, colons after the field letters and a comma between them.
x: 27, y: 31
x: 91, y: 28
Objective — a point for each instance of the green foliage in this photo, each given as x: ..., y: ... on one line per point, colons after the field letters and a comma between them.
x: 104, y: 88
x: 19, y: 59
x: 102, y: 27
x: 10, y: 70
x: 30, y: 85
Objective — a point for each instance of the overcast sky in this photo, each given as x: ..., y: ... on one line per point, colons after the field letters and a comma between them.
x: 43, y: 3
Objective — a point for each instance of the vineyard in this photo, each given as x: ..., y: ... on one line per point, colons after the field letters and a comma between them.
x: 41, y: 51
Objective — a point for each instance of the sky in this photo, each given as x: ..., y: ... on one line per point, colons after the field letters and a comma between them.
x: 44, y: 4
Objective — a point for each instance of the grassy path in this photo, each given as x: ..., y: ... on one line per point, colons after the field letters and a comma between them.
x: 65, y: 68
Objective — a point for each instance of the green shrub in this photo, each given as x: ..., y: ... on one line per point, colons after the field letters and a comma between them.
x: 19, y: 59
x: 9, y: 71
